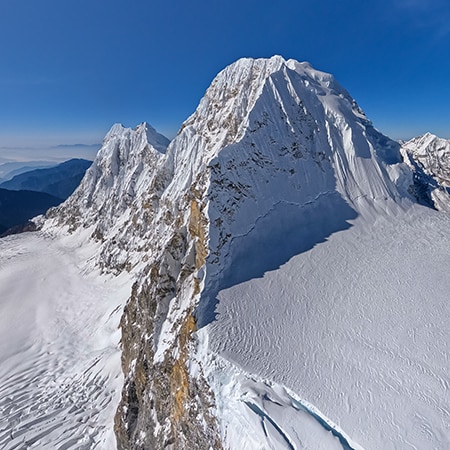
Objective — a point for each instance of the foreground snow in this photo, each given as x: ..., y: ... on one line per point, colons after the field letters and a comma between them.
x: 343, y: 346
x: 60, y: 375
x: 357, y: 326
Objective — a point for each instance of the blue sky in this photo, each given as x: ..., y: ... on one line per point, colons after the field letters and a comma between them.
x: 70, y: 69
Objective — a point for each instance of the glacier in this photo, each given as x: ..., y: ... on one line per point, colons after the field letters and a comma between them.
x: 60, y: 372
x: 278, y: 271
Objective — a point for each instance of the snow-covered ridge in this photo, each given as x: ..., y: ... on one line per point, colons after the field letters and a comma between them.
x: 276, y: 159
x: 296, y: 135
x: 429, y: 156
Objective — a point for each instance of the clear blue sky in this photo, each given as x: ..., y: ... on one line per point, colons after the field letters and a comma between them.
x: 70, y: 69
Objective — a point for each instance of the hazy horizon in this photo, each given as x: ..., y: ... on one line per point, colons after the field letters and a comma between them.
x: 70, y: 70
x: 64, y: 151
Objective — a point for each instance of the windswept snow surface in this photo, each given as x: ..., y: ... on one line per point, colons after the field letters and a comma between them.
x: 357, y: 326
x: 60, y: 376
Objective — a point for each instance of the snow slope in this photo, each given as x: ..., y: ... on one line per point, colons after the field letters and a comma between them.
x: 356, y: 326
x: 60, y: 376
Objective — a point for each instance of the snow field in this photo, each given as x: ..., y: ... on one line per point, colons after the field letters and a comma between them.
x: 60, y: 376
x: 356, y: 326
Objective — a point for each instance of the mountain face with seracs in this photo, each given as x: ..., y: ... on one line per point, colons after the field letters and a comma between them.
x: 428, y: 157
x: 276, y: 158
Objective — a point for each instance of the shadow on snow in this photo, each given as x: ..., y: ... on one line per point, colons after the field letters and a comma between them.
x: 286, y: 231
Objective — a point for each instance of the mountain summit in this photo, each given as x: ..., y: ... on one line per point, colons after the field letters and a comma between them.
x: 276, y: 158
x: 273, y: 246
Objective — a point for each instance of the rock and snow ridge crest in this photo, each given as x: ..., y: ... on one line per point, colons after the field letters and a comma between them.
x: 225, y: 115
x: 428, y: 157
x: 274, y: 150
x: 272, y: 110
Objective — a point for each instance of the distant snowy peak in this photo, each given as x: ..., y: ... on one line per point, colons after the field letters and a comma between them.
x: 126, y: 155
x: 433, y: 151
x: 429, y: 157
x: 118, y: 179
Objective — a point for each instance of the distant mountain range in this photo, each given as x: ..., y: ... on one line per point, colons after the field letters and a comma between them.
x: 17, y: 207
x: 59, y: 181
x: 9, y: 170
x: 31, y: 193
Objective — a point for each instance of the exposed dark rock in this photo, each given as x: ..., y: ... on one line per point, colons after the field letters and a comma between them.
x: 26, y: 227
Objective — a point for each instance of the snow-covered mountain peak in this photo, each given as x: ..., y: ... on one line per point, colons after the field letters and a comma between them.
x: 115, y: 130
x: 428, y: 157
x: 276, y: 159
x: 124, y: 150
x: 224, y: 109
x: 426, y: 143
x: 282, y: 100
x: 270, y: 140
x: 230, y: 97
x: 116, y: 186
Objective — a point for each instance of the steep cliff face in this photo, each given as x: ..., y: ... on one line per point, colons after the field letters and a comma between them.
x: 428, y: 157
x: 159, y: 238
x: 276, y: 154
